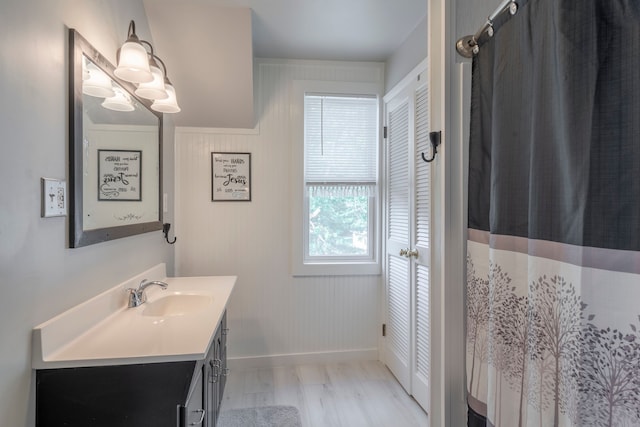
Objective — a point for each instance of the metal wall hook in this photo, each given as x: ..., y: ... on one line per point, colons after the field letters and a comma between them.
x: 434, y: 138
x: 165, y: 230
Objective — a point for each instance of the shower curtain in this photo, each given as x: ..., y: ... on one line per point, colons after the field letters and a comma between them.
x: 553, y: 261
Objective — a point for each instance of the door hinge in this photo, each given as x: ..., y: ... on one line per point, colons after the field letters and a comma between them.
x: 384, y: 330
x: 384, y: 132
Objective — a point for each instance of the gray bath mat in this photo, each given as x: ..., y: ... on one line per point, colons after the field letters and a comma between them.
x: 264, y: 416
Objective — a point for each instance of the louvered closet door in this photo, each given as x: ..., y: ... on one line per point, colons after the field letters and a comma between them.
x: 408, y: 222
x: 422, y: 243
x: 398, y: 283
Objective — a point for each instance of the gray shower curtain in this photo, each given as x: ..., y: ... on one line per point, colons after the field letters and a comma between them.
x: 553, y: 262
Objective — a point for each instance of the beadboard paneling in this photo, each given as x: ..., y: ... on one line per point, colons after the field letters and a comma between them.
x: 271, y: 313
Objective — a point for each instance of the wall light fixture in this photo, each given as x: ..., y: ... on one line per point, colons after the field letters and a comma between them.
x: 139, y: 65
x: 133, y: 61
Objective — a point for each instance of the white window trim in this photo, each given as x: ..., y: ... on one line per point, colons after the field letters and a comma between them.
x: 300, y: 266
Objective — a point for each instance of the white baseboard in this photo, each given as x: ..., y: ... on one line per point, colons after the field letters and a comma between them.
x: 302, y: 358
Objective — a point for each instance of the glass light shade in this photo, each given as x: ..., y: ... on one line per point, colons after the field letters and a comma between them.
x: 155, y: 88
x: 169, y: 105
x: 119, y: 102
x: 133, y: 63
x: 97, y: 84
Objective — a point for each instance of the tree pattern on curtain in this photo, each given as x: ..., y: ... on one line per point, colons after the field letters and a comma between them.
x: 577, y: 367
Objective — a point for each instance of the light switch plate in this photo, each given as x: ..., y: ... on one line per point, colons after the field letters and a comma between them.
x: 54, y: 197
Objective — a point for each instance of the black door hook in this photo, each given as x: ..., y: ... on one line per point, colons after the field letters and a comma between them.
x: 434, y: 137
x: 165, y: 230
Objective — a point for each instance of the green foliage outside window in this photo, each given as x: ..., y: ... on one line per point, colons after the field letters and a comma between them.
x: 338, y: 225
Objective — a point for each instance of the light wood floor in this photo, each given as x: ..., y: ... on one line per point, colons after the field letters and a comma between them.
x: 352, y: 394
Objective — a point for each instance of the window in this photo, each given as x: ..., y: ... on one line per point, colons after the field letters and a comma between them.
x: 339, y: 215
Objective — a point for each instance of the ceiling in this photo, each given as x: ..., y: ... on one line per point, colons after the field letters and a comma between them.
x: 209, y: 45
x: 361, y: 30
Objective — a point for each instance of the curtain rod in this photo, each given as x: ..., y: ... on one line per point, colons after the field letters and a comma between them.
x: 467, y: 46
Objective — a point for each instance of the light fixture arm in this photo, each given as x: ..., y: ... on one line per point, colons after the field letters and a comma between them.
x: 150, y: 47
x: 156, y: 58
x: 131, y: 33
x: 164, y: 67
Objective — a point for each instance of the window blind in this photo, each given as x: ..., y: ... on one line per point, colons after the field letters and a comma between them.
x: 340, y: 145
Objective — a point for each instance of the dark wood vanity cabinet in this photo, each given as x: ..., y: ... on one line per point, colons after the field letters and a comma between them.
x: 214, y: 374
x: 182, y: 394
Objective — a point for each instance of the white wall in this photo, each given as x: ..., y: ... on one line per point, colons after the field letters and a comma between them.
x: 271, y: 313
x: 412, y: 51
x: 39, y: 276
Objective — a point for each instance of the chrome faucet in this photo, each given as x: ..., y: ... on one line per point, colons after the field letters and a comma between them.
x: 138, y: 296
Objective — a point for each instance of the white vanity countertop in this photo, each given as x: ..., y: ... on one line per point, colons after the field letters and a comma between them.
x: 103, y: 331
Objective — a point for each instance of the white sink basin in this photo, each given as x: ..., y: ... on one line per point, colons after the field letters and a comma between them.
x: 176, y: 305
x: 176, y: 324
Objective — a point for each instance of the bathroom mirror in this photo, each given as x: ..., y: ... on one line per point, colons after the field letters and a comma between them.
x: 115, y: 152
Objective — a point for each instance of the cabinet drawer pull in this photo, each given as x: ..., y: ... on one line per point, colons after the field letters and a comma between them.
x: 201, y: 418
